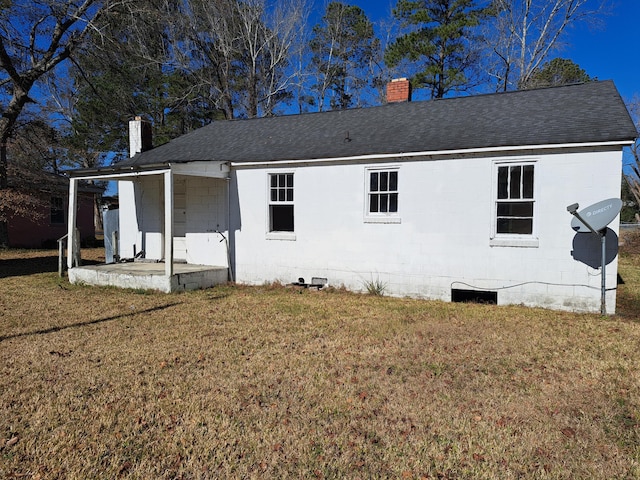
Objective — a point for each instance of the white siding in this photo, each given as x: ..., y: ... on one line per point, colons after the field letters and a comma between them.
x: 142, y: 214
x: 444, y: 239
x: 131, y: 208
x: 206, y: 215
x: 446, y: 209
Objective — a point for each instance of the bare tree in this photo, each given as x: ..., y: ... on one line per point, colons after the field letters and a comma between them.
x: 238, y: 52
x: 35, y: 37
x: 524, y: 33
x: 388, y: 29
x: 343, y: 47
x: 269, y: 33
x: 633, y: 177
x: 208, y: 35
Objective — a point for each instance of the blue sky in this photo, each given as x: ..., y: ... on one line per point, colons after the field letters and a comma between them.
x: 613, y: 51
x: 610, y: 52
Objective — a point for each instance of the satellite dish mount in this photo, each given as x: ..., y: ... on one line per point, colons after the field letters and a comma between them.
x: 595, y: 219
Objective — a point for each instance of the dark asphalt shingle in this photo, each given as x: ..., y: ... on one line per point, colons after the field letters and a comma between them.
x: 590, y: 112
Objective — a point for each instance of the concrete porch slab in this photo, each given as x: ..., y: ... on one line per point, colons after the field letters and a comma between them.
x: 150, y: 276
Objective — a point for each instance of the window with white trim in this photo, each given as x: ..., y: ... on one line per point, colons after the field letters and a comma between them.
x: 515, y: 199
x: 382, y: 194
x: 281, y: 202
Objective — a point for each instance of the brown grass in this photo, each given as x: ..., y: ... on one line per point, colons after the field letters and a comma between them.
x: 270, y: 382
x: 630, y: 242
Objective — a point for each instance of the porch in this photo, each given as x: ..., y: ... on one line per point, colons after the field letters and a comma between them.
x: 177, y: 227
x: 150, y: 276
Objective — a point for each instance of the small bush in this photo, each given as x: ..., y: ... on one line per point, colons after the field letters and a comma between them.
x: 375, y: 287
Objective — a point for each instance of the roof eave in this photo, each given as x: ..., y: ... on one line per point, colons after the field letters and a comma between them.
x: 117, y: 170
x: 439, y: 153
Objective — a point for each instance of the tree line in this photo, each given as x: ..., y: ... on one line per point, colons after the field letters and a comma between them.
x: 73, y: 72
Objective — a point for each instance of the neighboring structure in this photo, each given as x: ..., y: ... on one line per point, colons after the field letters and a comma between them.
x: 442, y: 199
x: 48, y: 220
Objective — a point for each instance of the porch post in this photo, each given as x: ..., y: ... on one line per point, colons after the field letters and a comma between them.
x: 168, y: 223
x: 71, y: 222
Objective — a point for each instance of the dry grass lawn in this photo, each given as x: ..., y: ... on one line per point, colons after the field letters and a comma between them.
x: 271, y: 382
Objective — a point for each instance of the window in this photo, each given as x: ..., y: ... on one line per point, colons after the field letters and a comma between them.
x: 514, y: 203
x: 57, y: 210
x: 281, y: 202
x: 383, y: 192
x: 382, y: 195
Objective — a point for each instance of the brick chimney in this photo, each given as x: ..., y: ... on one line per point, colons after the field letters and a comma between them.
x: 398, y: 90
x: 140, y: 138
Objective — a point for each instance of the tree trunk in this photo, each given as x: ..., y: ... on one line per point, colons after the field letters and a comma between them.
x: 252, y: 108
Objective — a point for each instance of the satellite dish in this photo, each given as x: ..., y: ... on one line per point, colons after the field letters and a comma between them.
x: 595, y: 219
x: 587, y: 248
x: 598, y: 215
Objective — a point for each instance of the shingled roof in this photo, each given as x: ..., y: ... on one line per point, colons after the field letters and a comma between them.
x: 584, y: 113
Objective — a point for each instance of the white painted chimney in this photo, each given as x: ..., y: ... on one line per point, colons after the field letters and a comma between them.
x: 140, y: 139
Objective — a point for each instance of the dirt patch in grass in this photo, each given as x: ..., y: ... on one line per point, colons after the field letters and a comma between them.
x: 238, y: 382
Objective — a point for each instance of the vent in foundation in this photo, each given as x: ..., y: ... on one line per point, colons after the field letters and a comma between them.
x: 474, y: 296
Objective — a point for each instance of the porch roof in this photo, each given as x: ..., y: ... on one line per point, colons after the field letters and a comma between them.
x: 212, y: 169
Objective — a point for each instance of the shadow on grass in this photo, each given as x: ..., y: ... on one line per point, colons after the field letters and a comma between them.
x: 628, y: 306
x: 90, y: 322
x: 16, y: 267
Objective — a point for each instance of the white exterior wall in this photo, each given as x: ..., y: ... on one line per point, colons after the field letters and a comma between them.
x: 445, y: 235
x: 206, y: 215
x: 129, y: 233
x: 142, y: 218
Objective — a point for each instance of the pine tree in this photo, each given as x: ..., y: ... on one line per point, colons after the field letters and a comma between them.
x: 438, y: 42
x: 559, y: 71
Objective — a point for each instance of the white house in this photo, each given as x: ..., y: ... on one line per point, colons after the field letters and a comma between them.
x: 441, y: 199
